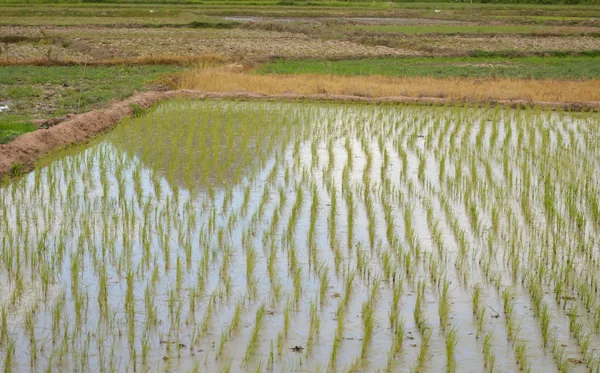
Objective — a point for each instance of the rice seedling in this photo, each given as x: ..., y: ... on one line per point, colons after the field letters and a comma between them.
x: 424, y: 349
x: 451, y: 342
x: 276, y: 228
x: 489, y: 358
x: 444, y: 305
x: 253, y: 343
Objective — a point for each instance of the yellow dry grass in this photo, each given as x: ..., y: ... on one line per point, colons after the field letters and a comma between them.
x: 227, y: 79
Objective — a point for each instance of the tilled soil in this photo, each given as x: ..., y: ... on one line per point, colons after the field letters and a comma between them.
x: 511, y: 42
x: 97, y: 43
x: 92, y: 43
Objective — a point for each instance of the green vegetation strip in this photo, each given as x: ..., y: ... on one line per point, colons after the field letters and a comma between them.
x: 12, y: 126
x: 571, y: 67
x: 44, y: 92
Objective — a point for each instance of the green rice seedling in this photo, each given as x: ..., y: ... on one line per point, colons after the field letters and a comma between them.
x: 507, y: 300
x: 421, y: 168
x: 545, y: 323
x: 253, y: 342
x: 222, y: 342
x: 367, y: 314
x: 424, y: 348
x: 227, y: 367
x: 236, y: 319
x: 314, y: 328
x: 349, y: 282
x: 286, y: 316
x: 323, y: 284
x: 251, y: 256
x: 475, y: 300
x: 585, y: 344
x: 444, y: 305
x: 397, y: 294
x: 409, y: 266
x: 480, y: 318
x: 521, y: 355
x: 451, y: 342
x: 33, y: 354
x: 339, y: 333
x: 351, y: 218
x: 297, y: 279
x: 276, y: 292
x: 9, y: 356
x: 271, y: 262
x: 488, y: 354
x: 208, y: 315
x: 271, y: 362
x: 398, y: 337
x: 280, y: 343
x: 362, y: 261
x: 420, y: 320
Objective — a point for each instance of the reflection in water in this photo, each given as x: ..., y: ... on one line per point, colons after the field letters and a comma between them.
x: 207, y: 144
x: 243, y: 236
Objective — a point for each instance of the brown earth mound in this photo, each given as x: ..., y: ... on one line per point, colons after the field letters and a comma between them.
x: 21, y: 154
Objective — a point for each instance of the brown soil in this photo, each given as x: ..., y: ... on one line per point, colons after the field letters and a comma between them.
x: 21, y: 154
x: 94, y: 43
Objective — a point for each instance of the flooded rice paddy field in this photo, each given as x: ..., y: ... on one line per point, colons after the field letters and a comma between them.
x: 296, y: 237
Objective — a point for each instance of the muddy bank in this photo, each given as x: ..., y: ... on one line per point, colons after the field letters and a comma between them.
x: 20, y: 155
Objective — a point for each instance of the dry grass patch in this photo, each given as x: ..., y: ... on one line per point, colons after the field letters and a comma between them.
x: 224, y: 80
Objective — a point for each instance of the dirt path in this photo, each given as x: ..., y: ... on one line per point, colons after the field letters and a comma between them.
x: 20, y: 155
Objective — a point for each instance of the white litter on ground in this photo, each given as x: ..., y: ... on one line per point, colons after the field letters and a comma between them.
x: 3, y: 107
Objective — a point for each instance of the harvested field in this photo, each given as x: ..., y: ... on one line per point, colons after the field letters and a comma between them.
x: 98, y: 43
x: 454, y: 44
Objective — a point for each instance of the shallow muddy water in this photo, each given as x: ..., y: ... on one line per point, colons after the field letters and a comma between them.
x: 297, y: 237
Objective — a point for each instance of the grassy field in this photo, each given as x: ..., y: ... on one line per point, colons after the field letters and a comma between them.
x: 33, y: 92
x: 12, y: 126
x: 568, y: 68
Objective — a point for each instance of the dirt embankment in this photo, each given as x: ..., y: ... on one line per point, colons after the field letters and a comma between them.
x: 20, y: 155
